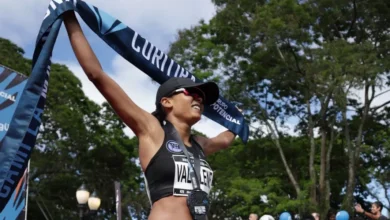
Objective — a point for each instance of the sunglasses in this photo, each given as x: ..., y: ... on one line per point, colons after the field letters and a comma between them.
x: 195, y: 93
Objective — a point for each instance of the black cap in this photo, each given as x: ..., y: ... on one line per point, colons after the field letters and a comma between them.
x: 209, y: 89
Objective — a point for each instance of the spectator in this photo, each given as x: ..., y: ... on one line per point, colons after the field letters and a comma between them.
x: 253, y: 216
x: 267, y: 217
x: 308, y: 217
x: 316, y: 215
x: 376, y: 211
x: 331, y: 215
x: 357, y: 218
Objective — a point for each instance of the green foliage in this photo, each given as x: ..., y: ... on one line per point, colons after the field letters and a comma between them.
x: 299, y: 61
x: 245, y: 173
x: 12, y: 56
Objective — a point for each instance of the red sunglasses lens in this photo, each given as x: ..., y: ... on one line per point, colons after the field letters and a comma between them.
x: 185, y: 91
x: 193, y: 93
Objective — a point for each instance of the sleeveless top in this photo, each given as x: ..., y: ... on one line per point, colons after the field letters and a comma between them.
x: 168, y: 173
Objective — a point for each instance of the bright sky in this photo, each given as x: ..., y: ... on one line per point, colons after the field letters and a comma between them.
x: 156, y: 20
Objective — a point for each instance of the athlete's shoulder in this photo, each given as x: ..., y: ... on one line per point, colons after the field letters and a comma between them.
x: 200, y: 140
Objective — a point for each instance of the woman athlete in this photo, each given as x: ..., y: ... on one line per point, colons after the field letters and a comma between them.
x: 179, y: 102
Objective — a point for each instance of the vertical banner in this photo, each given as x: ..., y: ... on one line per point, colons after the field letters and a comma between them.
x: 118, y: 201
x: 12, y: 85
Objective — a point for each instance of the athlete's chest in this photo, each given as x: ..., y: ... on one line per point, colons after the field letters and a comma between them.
x: 182, y: 182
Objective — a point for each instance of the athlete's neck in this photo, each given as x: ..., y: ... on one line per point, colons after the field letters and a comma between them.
x: 183, y: 129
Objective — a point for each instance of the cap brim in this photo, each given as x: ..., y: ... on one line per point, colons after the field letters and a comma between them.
x: 210, y: 90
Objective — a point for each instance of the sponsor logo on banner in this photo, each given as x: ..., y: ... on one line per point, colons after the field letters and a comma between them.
x: 7, y: 96
x: 11, y: 86
x: 222, y: 109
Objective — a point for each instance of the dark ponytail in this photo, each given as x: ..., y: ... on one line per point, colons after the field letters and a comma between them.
x: 159, y: 114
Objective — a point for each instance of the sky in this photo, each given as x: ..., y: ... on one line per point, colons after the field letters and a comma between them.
x: 156, y: 20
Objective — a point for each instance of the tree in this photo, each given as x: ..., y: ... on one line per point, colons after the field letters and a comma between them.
x: 298, y: 60
x: 251, y: 178
x: 375, y: 153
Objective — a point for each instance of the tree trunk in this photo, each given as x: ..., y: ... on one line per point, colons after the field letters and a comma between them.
x: 359, y: 138
x: 323, y: 155
x: 353, y: 152
x: 326, y: 196
x: 323, y: 169
x: 351, y: 165
x: 312, y: 171
x: 286, y: 166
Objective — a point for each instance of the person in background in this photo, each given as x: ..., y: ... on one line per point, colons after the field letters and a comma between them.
x: 253, y: 216
x: 376, y: 211
x: 358, y: 218
x: 267, y: 217
x: 308, y: 217
x: 331, y: 215
x: 316, y: 215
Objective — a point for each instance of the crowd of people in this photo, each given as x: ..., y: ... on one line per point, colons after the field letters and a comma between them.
x: 374, y: 214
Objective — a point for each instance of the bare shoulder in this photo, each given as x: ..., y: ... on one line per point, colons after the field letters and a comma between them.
x: 215, y: 144
x: 202, y: 141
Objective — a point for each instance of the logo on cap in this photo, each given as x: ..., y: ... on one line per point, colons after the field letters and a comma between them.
x: 173, y: 147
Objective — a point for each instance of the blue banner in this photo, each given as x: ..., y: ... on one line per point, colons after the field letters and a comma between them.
x: 15, y: 208
x: 11, y: 86
x: 17, y: 144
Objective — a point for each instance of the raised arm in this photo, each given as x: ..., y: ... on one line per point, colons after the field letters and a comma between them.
x: 371, y: 216
x: 140, y: 122
x: 215, y: 144
x: 359, y: 209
